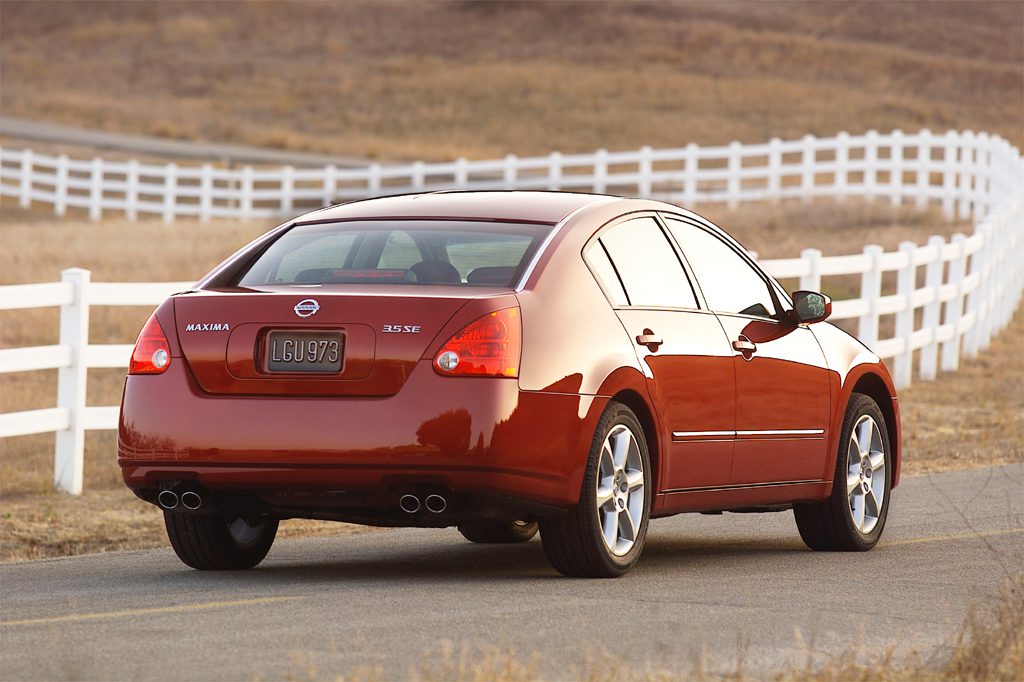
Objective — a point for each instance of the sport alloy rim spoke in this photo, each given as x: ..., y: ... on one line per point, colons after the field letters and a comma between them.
x: 852, y: 480
x: 620, y: 490
x: 634, y: 479
x: 865, y: 474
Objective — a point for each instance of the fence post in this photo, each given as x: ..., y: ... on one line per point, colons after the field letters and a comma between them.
x: 511, y: 171
x: 131, y: 194
x: 978, y: 300
x: 96, y: 189
x: 732, y: 192
x: 930, y: 320
x: 418, y: 179
x: 870, y: 292
x: 906, y: 283
x: 60, y: 205
x: 170, y: 192
x: 373, y: 180
x: 330, y: 184
x: 949, y: 154
x: 644, y: 169
x: 206, y: 193
x: 775, y: 170
x: 924, y: 165
x: 69, y: 451
x: 812, y: 280
x: 954, y: 307
x: 981, y: 173
x: 807, y: 158
x: 896, y: 168
x: 247, y: 186
x: 287, y: 189
x: 461, y: 173
x: 964, y: 181
x: 841, y: 176
x: 601, y: 171
x: 555, y: 171
x: 690, y: 171
x: 871, y: 165
x: 25, y: 198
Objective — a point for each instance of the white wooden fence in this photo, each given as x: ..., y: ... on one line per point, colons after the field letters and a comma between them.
x: 968, y: 290
x: 964, y: 171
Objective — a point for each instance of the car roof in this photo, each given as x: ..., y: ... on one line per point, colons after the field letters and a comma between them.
x: 537, y: 207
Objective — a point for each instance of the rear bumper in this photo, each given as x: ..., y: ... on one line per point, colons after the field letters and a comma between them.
x: 470, y: 436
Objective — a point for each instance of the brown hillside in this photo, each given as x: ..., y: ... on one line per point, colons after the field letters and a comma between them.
x: 436, y: 80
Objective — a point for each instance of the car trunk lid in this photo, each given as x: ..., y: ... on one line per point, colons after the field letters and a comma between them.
x: 330, y: 341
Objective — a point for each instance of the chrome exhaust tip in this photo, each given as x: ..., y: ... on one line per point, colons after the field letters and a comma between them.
x: 191, y: 500
x: 435, y: 504
x: 168, y: 499
x: 410, y: 504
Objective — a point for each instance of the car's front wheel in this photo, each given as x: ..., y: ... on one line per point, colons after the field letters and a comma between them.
x: 215, y: 543
x: 853, y: 516
x: 603, y: 535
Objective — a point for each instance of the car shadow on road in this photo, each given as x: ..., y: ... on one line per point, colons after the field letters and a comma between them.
x: 457, y: 560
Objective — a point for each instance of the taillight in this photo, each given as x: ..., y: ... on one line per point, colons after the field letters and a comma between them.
x: 489, y: 346
x: 152, y: 354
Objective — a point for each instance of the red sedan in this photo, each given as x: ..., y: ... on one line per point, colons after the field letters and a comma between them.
x: 503, y: 362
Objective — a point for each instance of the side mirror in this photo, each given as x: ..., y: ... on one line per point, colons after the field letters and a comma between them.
x: 810, y: 306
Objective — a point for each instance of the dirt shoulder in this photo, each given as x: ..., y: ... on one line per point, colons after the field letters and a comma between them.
x: 47, y: 525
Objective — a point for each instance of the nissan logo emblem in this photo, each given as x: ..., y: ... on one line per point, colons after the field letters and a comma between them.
x: 307, y: 307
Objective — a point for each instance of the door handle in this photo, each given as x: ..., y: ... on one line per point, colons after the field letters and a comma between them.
x: 744, y: 345
x: 649, y: 339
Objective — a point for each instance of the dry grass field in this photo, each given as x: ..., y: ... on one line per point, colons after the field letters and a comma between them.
x: 395, y: 80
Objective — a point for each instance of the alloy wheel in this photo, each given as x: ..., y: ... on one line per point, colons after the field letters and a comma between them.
x: 865, y: 474
x: 620, y: 490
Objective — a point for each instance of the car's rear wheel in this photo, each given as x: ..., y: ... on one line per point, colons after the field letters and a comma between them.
x: 853, y: 516
x: 603, y: 535
x: 216, y: 543
x: 491, y: 532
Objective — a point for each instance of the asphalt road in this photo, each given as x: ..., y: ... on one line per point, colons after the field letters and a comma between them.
x: 388, y: 600
x: 165, y: 147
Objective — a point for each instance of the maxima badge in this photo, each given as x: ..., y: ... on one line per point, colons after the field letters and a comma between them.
x: 307, y: 307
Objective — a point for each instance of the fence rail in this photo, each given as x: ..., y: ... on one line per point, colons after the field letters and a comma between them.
x: 965, y: 172
x: 968, y: 290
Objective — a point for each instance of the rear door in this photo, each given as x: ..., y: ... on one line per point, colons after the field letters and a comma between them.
x: 782, y: 386
x: 683, y: 348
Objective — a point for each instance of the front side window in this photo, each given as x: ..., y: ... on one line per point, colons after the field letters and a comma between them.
x: 398, y: 252
x: 729, y: 283
x: 647, y: 265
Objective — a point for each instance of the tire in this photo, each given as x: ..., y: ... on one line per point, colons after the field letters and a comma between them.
x: 575, y: 543
x: 851, y: 519
x: 213, y: 543
x: 489, y: 532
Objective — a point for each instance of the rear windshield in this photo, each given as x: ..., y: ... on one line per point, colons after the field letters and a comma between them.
x: 398, y: 252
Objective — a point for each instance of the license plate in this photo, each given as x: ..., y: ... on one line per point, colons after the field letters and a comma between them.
x: 305, y: 352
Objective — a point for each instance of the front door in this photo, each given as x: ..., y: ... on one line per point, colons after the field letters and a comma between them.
x: 782, y: 385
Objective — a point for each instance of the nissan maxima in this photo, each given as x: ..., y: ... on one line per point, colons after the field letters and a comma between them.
x: 506, y: 363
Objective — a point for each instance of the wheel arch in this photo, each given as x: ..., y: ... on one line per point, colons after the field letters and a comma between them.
x: 636, y: 402
x: 874, y: 386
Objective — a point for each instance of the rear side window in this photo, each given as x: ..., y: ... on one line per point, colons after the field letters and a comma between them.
x: 605, y: 271
x: 729, y: 283
x: 398, y: 252
x: 647, y: 266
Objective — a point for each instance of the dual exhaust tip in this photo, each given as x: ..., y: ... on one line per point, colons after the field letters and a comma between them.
x: 434, y: 503
x: 190, y: 499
